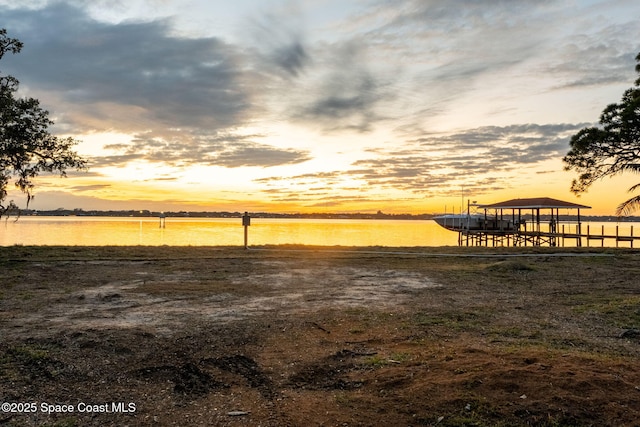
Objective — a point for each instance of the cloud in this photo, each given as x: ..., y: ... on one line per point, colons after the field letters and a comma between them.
x: 81, y: 188
x: 465, y: 38
x: 326, y: 86
x: 63, y: 199
x: 114, y: 70
x: 306, y: 179
x: 487, y: 150
x: 184, y: 150
x: 183, y: 98
x: 279, y: 40
x: 602, y: 58
x: 412, y: 60
x: 348, y: 93
x: 456, y: 48
x: 417, y: 57
x: 482, y: 159
x: 539, y: 141
x: 257, y: 155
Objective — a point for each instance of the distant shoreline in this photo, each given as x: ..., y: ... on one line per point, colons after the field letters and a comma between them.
x: 225, y: 214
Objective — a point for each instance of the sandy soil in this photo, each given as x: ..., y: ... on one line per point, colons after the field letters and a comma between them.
x: 290, y: 336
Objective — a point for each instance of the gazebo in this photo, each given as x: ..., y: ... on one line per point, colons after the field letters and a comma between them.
x: 538, y: 233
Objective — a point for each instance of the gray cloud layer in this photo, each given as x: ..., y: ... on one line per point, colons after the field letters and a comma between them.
x: 174, y: 82
x: 221, y: 150
x: 134, y: 77
x: 430, y: 164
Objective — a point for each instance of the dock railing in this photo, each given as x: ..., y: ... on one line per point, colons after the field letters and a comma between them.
x: 574, y: 234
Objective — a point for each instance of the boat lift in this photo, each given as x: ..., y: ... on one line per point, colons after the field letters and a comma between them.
x: 523, y: 222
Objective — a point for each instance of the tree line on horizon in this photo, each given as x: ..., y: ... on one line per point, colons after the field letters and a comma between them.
x: 220, y: 214
x: 135, y: 213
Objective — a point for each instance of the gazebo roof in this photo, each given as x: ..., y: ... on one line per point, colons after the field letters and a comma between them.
x: 535, y: 203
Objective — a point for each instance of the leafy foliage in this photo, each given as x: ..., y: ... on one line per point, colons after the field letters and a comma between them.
x: 26, y: 146
x: 611, y: 148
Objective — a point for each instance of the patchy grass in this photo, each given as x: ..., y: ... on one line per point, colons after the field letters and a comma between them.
x: 196, y: 333
x: 619, y: 311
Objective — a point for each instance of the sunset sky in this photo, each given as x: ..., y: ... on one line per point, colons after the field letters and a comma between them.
x: 321, y: 105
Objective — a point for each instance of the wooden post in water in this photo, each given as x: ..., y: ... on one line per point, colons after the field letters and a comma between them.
x: 579, y: 229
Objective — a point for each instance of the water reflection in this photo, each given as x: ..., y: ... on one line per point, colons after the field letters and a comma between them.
x: 87, y: 231
x: 221, y: 232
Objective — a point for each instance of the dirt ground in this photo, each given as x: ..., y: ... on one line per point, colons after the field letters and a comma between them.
x: 301, y: 336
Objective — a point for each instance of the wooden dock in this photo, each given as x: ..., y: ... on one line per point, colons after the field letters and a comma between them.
x: 537, y: 222
x: 579, y: 237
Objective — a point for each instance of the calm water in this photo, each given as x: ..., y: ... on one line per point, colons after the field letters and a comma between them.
x: 104, y: 231
x: 220, y: 231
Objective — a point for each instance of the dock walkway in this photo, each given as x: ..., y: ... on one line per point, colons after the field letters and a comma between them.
x: 545, y: 238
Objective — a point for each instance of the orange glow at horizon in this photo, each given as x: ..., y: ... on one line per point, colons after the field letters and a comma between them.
x: 105, y: 193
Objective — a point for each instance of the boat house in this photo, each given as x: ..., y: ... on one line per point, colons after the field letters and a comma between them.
x: 536, y: 221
